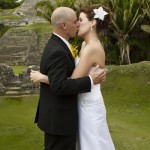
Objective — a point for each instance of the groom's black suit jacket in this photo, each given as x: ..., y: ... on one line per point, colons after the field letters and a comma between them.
x: 57, y: 108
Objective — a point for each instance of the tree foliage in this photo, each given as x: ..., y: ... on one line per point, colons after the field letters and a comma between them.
x: 10, y: 4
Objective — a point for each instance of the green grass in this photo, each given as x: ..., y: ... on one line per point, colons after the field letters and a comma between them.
x: 37, y: 27
x: 17, y: 128
x: 18, y: 69
x: 10, y: 17
x: 127, y: 99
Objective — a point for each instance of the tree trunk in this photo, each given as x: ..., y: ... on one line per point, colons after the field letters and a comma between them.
x: 125, y: 53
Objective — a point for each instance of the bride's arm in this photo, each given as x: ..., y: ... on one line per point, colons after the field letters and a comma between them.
x: 85, y: 63
x: 82, y: 69
x: 38, y: 77
x: 92, y: 55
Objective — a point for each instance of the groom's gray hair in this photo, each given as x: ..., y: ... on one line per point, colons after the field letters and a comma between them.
x: 61, y: 14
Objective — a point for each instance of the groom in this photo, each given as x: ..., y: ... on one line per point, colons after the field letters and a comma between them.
x: 57, y: 109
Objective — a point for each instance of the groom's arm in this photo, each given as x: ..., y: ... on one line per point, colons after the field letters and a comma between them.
x: 57, y: 74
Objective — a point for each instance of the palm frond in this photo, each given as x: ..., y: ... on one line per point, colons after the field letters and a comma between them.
x: 136, y: 17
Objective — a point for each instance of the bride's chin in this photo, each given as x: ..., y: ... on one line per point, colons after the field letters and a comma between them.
x: 79, y: 34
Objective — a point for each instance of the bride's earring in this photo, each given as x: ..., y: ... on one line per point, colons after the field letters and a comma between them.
x: 91, y: 27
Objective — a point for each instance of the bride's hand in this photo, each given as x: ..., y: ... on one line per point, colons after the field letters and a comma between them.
x: 38, y: 77
x: 35, y: 76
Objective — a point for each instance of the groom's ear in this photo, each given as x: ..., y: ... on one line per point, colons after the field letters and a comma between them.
x: 63, y: 25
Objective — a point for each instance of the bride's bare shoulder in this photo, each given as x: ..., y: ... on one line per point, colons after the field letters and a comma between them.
x: 95, y: 47
x: 92, y: 49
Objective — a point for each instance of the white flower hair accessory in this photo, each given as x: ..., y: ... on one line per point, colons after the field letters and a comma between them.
x: 100, y: 13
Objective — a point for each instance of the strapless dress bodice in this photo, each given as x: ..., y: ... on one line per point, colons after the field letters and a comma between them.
x: 95, y: 92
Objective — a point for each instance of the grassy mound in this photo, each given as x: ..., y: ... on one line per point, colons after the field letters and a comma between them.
x: 127, y: 99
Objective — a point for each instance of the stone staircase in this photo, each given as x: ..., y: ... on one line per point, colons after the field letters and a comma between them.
x: 13, y: 91
x: 19, y: 88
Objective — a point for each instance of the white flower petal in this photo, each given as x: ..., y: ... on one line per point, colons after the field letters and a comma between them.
x: 100, y: 13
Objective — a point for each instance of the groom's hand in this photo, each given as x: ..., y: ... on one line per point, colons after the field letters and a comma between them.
x: 98, y: 75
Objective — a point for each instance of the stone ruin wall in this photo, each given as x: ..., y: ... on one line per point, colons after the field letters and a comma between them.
x: 22, y: 47
x: 26, y: 12
x: 17, y: 84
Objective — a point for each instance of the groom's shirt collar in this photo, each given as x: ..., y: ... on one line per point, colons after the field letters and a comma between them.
x: 64, y: 40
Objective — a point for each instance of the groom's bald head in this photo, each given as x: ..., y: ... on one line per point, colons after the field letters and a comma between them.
x: 64, y: 22
x: 61, y: 14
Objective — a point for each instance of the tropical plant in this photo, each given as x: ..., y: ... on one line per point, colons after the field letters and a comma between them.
x: 146, y: 9
x: 10, y: 4
x: 125, y: 16
x: 46, y: 7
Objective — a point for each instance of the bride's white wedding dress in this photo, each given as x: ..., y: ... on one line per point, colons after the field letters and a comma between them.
x: 93, y: 129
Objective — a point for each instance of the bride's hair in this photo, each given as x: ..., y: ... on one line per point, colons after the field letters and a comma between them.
x: 101, y: 24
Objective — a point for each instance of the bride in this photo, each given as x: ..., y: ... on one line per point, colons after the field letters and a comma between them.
x: 93, y: 129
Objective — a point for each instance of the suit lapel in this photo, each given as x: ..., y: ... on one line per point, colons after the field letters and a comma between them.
x: 64, y: 45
